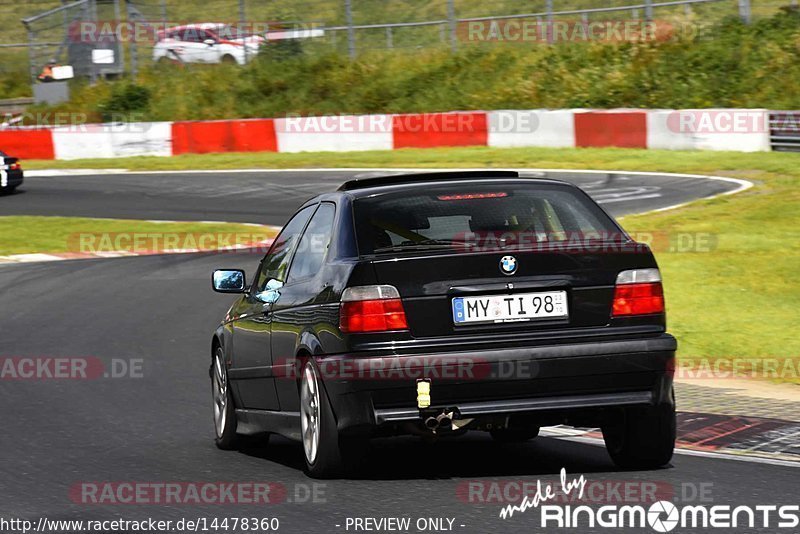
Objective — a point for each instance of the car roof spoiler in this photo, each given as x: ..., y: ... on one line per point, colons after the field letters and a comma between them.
x: 410, y: 178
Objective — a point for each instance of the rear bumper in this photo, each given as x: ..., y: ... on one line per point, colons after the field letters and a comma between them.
x: 367, y: 391
x: 12, y: 179
x: 567, y: 402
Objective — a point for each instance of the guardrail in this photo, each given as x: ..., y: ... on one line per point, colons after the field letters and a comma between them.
x: 784, y: 131
x: 14, y: 106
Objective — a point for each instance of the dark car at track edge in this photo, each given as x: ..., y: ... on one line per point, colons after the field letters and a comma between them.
x: 11, y: 175
x: 442, y: 303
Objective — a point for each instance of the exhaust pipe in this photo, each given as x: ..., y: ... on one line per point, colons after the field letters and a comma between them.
x: 445, y: 420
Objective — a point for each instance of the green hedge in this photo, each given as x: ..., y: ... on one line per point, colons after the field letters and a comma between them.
x: 730, y: 65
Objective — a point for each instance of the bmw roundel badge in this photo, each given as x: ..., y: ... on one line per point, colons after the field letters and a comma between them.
x: 508, y: 265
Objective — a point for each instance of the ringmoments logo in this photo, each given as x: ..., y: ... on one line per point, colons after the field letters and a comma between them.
x: 660, y: 516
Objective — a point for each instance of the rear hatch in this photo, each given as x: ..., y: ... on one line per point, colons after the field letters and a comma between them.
x: 511, y: 255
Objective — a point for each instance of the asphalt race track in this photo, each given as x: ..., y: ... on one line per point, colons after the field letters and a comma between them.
x: 155, y: 425
x: 270, y: 197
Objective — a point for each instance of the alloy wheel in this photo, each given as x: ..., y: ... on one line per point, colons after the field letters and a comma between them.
x: 309, y: 407
x: 219, y: 392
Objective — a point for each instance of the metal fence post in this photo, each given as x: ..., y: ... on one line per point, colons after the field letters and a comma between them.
x: 451, y: 17
x: 242, y: 16
x: 87, y: 14
x: 744, y: 11
x: 120, y: 47
x: 131, y: 15
x: 389, y: 41
x: 164, y: 11
x: 539, y: 26
x: 648, y: 10
x: 351, y: 32
x: 549, y: 9
x: 31, y: 56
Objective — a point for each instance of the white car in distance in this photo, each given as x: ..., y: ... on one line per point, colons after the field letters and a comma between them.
x: 205, y: 43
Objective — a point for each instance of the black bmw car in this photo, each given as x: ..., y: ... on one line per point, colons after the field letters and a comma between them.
x: 10, y: 173
x: 443, y: 303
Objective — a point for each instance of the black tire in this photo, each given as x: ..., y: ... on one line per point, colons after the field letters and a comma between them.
x: 644, y: 438
x: 8, y: 190
x: 514, y: 434
x: 226, y: 437
x: 336, y: 455
x: 228, y: 59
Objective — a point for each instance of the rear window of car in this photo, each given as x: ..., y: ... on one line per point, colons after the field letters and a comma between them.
x: 464, y: 217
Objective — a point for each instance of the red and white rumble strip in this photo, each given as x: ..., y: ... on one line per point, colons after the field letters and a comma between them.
x: 744, y: 130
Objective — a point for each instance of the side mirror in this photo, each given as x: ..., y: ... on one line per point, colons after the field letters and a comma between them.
x: 271, y: 291
x: 210, y: 42
x: 228, y: 281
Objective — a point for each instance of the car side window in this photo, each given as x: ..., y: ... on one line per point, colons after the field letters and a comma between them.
x: 193, y: 35
x: 275, y: 263
x: 313, y: 246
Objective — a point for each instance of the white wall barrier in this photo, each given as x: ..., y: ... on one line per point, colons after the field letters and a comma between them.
x: 739, y: 130
x: 113, y: 140
x: 334, y: 133
x: 534, y: 127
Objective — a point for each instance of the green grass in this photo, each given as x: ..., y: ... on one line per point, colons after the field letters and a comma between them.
x: 27, y: 234
x: 739, y: 300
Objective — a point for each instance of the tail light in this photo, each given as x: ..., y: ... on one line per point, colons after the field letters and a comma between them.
x: 13, y: 164
x: 371, y: 309
x: 638, y: 292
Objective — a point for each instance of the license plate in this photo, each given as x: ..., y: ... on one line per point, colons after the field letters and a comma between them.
x: 510, y: 308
